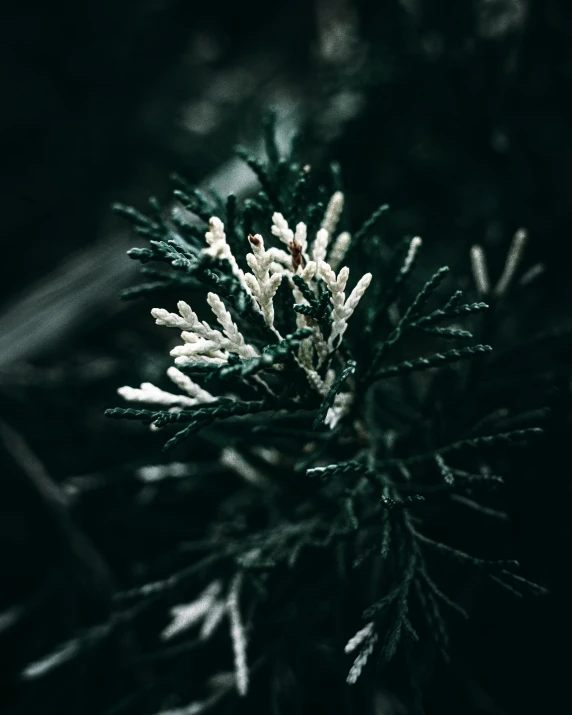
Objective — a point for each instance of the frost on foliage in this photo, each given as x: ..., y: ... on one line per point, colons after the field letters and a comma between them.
x: 342, y: 308
x: 219, y: 248
x: 263, y: 286
x: 152, y: 395
x: 269, y: 267
x: 359, y: 638
x: 513, y: 261
x: 62, y: 654
x: 339, y: 249
x: 185, y: 616
x: 361, y: 659
x: 320, y: 246
x: 201, y: 342
x: 365, y: 638
x: 238, y: 636
x: 333, y: 212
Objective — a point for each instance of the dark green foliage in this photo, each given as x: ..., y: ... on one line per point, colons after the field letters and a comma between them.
x: 369, y: 225
x: 334, y: 389
x: 396, y: 461
x: 373, y: 488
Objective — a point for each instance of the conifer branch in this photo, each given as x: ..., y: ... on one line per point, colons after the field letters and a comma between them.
x: 292, y: 354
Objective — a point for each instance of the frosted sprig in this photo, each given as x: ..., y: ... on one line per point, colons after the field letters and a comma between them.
x: 187, y: 615
x: 316, y: 343
x: 301, y: 238
x: 342, y: 404
x: 512, y: 263
x: 66, y: 651
x: 333, y: 212
x: 414, y: 247
x: 184, y: 382
x: 362, y: 658
x: 205, y: 345
x: 342, y: 308
x: 219, y: 248
x: 150, y: 394
x: 296, y: 242
x: 201, y: 342
x: 232, y: 333
x: 238, y: 635
x: 359, y: 638
x: 320, y: 245
x: 513, y: 260
x: 339, y: 249
x: 262, y: 285
x: 480, y: 271
x: 281, y: 229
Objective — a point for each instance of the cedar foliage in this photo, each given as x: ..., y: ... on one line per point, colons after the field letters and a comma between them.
x: 298, y: 510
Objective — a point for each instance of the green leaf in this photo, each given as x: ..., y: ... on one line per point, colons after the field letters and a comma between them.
x: 334, y: 390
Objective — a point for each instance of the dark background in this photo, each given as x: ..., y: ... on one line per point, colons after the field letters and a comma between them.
x: 456, y: 113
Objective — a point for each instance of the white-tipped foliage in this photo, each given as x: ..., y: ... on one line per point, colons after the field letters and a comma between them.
x: 342, y: 403
x: 414, y: 246
x: 297, y: 241
x: 342, y: 308
x: 62, y: 654
x: 479, y: 268
x: 513, y: 260
x: 281, y: 230
x: 320, y: 246
x: 212, y: 619
x: 238, y: 636
x: 188, y: 615
x: 219, y: 248
x: 203, y: 344
x: 152, y: 395
x: 184, y: 382
x: 237, y: 342
x: 301, y: 239
x: 512, y: 263
x: 339, y: 249
x: 368, y: 638
x: 333, y: 212
x: 262, y: 285
x: 359, y: 638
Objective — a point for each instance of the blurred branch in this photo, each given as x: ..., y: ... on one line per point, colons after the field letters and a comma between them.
x: 48, y: 495
x: 83, y: 285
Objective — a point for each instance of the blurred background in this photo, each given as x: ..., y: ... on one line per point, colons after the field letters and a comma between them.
x: 455, y: 112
